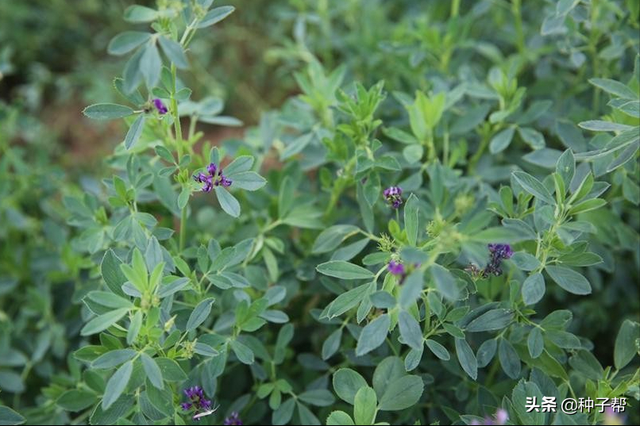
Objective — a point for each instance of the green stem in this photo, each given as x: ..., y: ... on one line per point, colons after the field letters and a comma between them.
x: 431, y: 147
x: 455, y: 8
x: 481, y: 149
x: 517, y: 13
x: 593, y: 49
x: 445, y: 149
x: 174, y: 110
x: 339, y: 186
x: 183, y: 228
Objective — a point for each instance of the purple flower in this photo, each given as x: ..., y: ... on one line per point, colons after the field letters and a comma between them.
x: 233, y: 419
x: 498, y: 253
x: 393, y: 196
x: 396, y: 268
x: 500, y: 418
x: 215, y: 177
x: 197, y: 401
x: 612, y: 415
x: 160, y: 106
x: 501, y: 251
x: 206, y: 180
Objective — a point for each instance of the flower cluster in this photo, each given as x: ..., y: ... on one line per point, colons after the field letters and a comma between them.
x: 197, y: 400
x: 233, y: 419
x: 613, y: 417
x: 501, y: 417
x: 396, y: 268
x: 214, y: 177
x: 160, y: 106
x: 498, y: 253
x: 393, y: 196
x: 400, y: 270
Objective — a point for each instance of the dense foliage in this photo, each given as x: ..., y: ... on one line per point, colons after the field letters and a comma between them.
x: 433, y: 218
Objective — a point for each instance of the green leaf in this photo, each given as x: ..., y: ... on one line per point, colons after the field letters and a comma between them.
x: 332, y: 237
x: 373, y: 335
x: 347, y: 300
x: 172, y: 287
x: 102, y: 322
x: 534, y: 187
x: 111, y: 273
x: 127, y: 41
x: 566, y: 167
x: 535, y: 342
x: 445, y: 282
x: 221, y: 120
x: 215, y: 15
x: 151, y: 65
x: 410, y: 330
x: 140, y: 14
x: 569, y: 280
x: 466, y: 357
x: 411, y: 216
x: 388, y: 370
x: 317, y: 397
x: 331, y: 344
x: 107, y: 111
x: 161, y: 399
x: 117, y: 384
x: 174, y: 52
x: 365, y: 406
x: 532, y: 137
x: 346, y: 384
x: 243, y: 352
x: 171, y: 371
x: 411, y: 288
x: 587, y: 205
x: 109, y: 299
x: 113, y: 358
x: 509, y: 359
x: 134, y: 132
x: 402, y: 393
x: 285, y: 196
x: 337, y: 418
x: 199, y: 314
x: 626, y: 346
x: 136, y: 273
x: 413, y: 359
x: 228, y: 202
x: 10, y: 417
x: 525, y: 261
x: 614, y: 87
x: 284, y: 413
x: 603, y: 126
x: 486, y: 352
x: 438, y: 350
x: 306, y: 416
x: 521, y: 392
x: 134, y: 328
x: 250, y: 181
x: 153, y: 371
x: 240, y: 164
x: 502, y: 140
x: 73, y: 400
x: 183, y: 198
x: 495, y: 319
x: 586, y: 363
x: 344, y: 270
x: 533, y: 289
